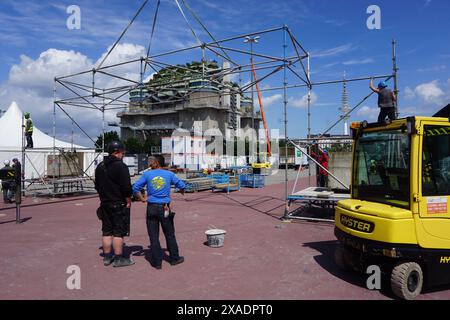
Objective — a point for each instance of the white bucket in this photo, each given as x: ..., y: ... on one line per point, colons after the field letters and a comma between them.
x: 216, y: 237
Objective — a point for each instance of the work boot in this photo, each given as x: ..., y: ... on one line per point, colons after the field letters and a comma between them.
x: 177, y: 261
x: 122, y: 262
x: 108, y: 259
x: 156, y: 266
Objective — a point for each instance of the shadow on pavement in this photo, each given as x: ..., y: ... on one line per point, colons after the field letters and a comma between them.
x: 13, y: 221
x: 139, y: 251
x: 326, y: 261
x: 60, y: 200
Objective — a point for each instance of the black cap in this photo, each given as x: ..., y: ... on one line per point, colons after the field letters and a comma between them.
x: 115, y: 146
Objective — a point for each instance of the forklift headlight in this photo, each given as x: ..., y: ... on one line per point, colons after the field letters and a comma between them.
x: 392, y: 253
x: 355, y: 125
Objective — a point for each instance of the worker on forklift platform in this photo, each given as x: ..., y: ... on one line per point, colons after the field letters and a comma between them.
x: 322, y: 178
x: 386, y: 101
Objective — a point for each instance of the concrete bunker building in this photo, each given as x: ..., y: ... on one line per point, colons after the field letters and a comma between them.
x: 184, y: 97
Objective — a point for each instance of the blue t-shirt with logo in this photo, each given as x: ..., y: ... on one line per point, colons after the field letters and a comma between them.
x: 158, y: 184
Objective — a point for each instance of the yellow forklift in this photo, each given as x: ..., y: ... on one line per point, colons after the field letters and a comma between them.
x: 398, y: 217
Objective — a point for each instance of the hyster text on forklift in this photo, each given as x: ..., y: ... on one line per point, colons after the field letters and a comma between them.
x: 398, y: 217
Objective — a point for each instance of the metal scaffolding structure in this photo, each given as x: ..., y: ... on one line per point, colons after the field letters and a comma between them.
x: 105, y: 87
x: 316, y: 140
x: 91, y: 89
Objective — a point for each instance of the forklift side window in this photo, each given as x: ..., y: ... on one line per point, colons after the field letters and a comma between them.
x: 436, y: 161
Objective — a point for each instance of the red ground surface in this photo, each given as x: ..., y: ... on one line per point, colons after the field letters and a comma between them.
x: 263, y: 258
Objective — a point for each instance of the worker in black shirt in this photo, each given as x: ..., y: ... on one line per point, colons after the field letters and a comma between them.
x: 7, y: 178
x: 113, y: 183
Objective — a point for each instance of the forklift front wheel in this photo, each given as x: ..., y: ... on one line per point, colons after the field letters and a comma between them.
x: 407, y: 280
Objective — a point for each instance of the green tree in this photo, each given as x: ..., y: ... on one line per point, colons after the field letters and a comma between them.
x: 341, y: 147
x: 133, y: 145
x: 152, y: 141
x: 109, y: 137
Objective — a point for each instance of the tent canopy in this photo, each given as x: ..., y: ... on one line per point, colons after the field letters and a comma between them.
x: 37, y: 159
x: 11, y: 133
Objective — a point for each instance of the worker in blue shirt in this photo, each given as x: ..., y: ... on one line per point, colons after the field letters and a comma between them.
x: 158, y: 182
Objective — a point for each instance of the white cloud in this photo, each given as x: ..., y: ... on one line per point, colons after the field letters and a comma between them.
x: 329, y: 65
x: 368, y: 113
x: 409, y: 93
x: 430, y: 97
x: 430, y: 92
x: 438, y: 68
x: 268, y: 101
x: 406, y: 111
x: 149, y: 77
x: 333, y: 51
x: 122, y: 52
x: 362, y: 61
x: 303, y: 101
x: 30, y: 83
x: 337, y: 23
x: 38, y: 74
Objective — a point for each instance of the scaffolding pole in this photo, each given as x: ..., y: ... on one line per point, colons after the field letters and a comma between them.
x: 308, y: 70
x: 395, y: 71
x: 23, y: 155
x: 54, y: 131
x: 285, y: 104
x: 218, y: 45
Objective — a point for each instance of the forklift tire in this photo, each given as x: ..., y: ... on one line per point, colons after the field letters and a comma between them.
x: 340, y: 259
x: 407, y: 280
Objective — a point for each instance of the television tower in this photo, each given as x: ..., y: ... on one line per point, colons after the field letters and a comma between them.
x: 345, y: 107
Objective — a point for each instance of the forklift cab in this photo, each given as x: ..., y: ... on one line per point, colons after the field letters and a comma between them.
x: 398, y: 216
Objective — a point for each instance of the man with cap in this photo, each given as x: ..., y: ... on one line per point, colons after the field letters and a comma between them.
x: 113, y: 183
x: 28, y: 130
x: 7, y: 182
x: 386, y: 101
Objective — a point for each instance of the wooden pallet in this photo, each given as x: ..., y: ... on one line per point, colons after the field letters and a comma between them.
x: 233, y: 185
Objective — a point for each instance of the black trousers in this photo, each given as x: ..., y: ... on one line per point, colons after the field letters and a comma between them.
x: 9, y: 191
x: 155, y: 218
x: 387, y: 112
x: 323, y: 181
x: 5, y: 187
x: 29, y: 137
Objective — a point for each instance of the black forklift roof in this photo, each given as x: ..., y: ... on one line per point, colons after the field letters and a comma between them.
x: 443, y: 113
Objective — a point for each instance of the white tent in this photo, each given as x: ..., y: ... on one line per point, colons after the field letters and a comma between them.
x: 36, y: 159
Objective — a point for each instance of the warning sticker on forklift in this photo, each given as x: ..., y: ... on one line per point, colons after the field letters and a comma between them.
x: 437, y: 205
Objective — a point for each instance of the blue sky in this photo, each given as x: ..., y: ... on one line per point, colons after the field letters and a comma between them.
x: 36, y: 46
